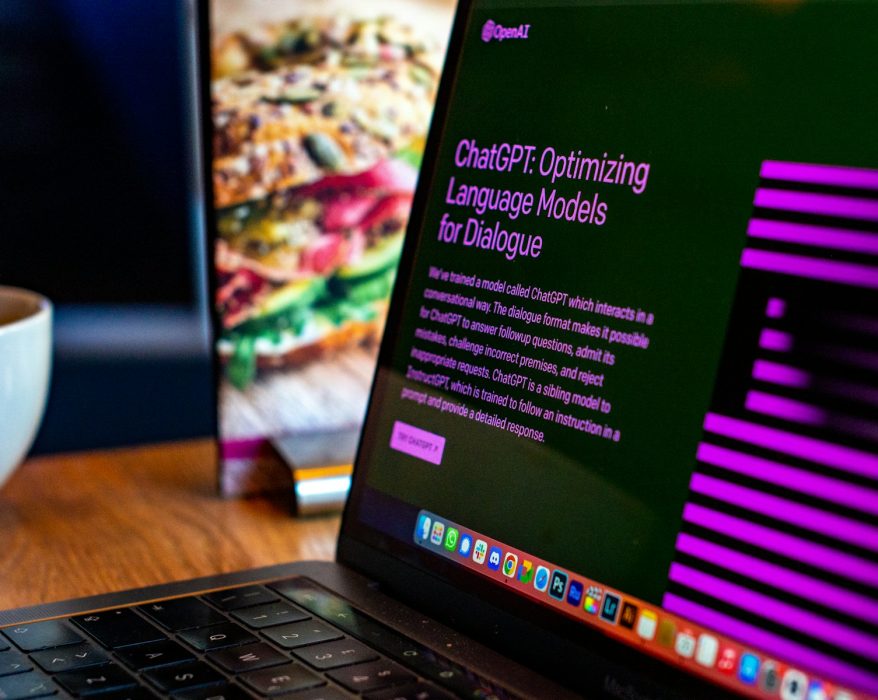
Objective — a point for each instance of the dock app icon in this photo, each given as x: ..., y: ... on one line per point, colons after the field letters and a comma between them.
x: 438, y: 533
x: 480, y: 551
x: 647, y: 625
x: 628, y: 616
x: 526, y: 571
x: 593, y: 597
x: 610, y: 608
x: 510, y: 565
x: 541, y: 579
x: 558, y: 585
x: 574, y: 594
x: 423, y: 530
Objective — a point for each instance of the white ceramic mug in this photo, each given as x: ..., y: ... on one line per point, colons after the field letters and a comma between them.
x: 25, y: 367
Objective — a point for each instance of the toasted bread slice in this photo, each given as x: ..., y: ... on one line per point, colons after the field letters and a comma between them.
x: 329, y: 39
x: 296, y: 124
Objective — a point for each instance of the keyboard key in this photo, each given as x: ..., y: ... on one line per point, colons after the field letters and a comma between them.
x: 70, y: 658
x: 153, y: 654
x: 12, y: 662
x: 298, y: 634
x: 330, y: 607
x: 450, y: 676
x: 227, y: 634
x: 236, y: 598
x: 343, y: 652
x: 416, y: 656
x: 326, y: 692
x: 372, y: 676
x: 418, y: 691
x: 89, y: 681
x: 224, y: 691
x: 42, y: 635
x: 192, y: 674
x: 26, y: 685
x: 138, y: 693
x: 269, y: 615
x: 315, y: 599
x: 182, y: 614
x: 281, y: 679
x: 118, y: 628
x: 247, y: 658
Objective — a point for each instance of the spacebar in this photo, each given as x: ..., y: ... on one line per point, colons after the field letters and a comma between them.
x: 410, y: 653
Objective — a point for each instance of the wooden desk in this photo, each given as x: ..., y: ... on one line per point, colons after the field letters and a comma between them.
x: 96, y: 522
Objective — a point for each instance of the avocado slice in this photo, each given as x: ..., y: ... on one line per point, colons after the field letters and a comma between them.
x: 376, y: 259
x: 344, y: 310
x: 364, y: 290
x: 286, y: 308
x: 297, y: 294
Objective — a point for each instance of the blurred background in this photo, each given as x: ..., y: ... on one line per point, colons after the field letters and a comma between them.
x: 100, y: 213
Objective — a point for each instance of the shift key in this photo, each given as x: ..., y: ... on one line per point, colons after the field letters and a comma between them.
x: 118, y: 628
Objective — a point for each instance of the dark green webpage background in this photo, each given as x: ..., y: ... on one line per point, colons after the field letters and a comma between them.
x: 704, y: 93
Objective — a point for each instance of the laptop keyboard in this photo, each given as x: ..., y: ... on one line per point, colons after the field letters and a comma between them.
x: 293, y: 639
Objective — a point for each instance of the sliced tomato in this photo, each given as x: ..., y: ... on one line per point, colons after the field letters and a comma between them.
x: 325, y: 254
x: 238, y: 293
x: 388, y: 175
x: 346, y: 211
x: 394, y: 207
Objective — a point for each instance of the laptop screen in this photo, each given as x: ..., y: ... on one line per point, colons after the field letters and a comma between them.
x: 632, y: 367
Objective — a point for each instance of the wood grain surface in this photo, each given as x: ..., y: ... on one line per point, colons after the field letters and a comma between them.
x: 326, y: 394
x: 83, y: 524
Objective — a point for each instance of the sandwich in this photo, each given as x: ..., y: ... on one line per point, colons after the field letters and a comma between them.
x: 319, y: 126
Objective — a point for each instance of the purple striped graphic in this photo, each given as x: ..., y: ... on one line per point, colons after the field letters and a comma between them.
x: 786, y: 409
x: 834, y: 175
x: 775, y: 308
x: 806, y: 587
x: 839, y: 671
x: 820, y: 204
x: 737, y: 574
x: 772, y: 609
x: 818, y: 451
x: 787, y: 511
x: 820, y: 236
x: 783, y: 375
x: 777, y: 341
x: 811, y: 268
x: 791, y: 478
x: 824, y: 558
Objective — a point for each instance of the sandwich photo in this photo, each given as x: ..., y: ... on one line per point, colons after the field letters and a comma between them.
x: 319, y: 124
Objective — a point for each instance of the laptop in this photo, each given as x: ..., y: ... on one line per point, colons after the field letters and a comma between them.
x: 621, y: 440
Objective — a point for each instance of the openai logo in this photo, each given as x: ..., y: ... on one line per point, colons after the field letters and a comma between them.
x: 488, y: 30
x: 492, y: 30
